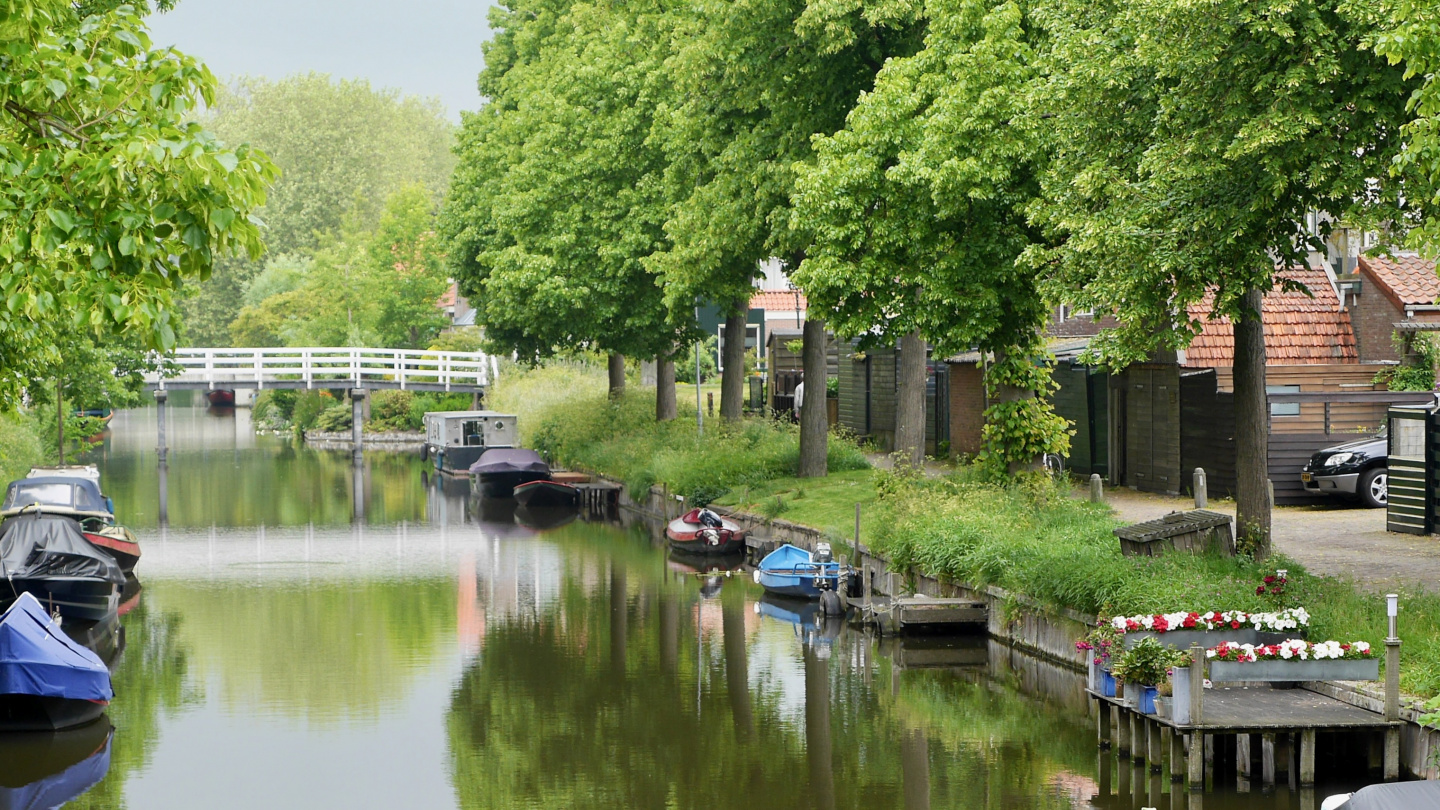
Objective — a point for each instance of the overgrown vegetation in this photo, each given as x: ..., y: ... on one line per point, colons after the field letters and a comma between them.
x: 323, y: 410
x: 1416, y: 372
x: 20, y: 447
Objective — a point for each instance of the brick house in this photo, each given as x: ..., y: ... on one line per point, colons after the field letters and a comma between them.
x: 1387, y: 291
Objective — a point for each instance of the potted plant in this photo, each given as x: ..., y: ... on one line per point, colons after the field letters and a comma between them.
x: 1099, y: 647
x: 1143, y: 666
x: 1162, y: 699
x: 1294, y: 660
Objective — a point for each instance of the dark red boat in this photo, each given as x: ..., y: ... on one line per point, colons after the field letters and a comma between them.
x: 702, y: 531
x: 538, y: 494
x: 221, y: 397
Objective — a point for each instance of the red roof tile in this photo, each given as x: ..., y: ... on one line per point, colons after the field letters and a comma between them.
x: 777, y: 300
x: 1407, y: 279
x: 447, y: 298
x: 1299, y: 329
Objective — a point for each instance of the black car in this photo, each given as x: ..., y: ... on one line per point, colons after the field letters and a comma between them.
x: 1354, y: 469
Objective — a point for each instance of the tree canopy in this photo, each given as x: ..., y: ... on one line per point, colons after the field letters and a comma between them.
x: 114, y: 196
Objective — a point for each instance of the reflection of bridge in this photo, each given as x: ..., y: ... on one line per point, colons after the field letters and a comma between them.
x: 326, y: 368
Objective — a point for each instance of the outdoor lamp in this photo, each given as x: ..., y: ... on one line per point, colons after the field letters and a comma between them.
x: 1392, y: 609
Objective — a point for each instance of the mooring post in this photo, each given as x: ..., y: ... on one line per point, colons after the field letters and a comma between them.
x: 1242, y: 755
x: 357, y: 422
x: 1102, y: 723
x: 1177, y: 755
x: 1137, y: 737
x: 1097, y: 489
x: 1195, y: 762
x: 1307, y: 757
x: 1122, y: 733
x: 1197, y: 683
x: 160, y: 397
x: 1202, y: 495
x: 1156, y: 753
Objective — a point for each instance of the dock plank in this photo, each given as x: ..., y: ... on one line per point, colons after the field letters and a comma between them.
x: 1258, y: 709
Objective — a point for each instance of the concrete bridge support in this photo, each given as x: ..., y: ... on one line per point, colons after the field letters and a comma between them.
x: 357, y: 423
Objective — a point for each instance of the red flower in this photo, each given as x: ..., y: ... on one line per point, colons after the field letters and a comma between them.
x: 1235, y: 625
x: 1260, y: 590
x: 1269, y: 580
x: 1275, y: 589
x: 1160, y: 624
x: 1190, y: 620
x: 1131, y: 625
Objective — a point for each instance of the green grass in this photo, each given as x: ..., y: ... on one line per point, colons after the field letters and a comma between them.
x: 827, y: 504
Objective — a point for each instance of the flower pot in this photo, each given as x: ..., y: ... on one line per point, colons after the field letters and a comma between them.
x: 1162, y: 707
x: 1107, y: 683
x: 1130, y: 695
x: 1180, y: 695
x: 1091, y: 673
x: 1184, y: 639
x: 1147, y: 699
x: 1325, y: 669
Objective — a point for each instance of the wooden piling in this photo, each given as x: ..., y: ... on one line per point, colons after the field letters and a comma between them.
x: 1197, y: 683
x: 1267, y: 759
x: 1195, y: 770
x: 1392, y: 754
x: 1242, y: 755
x: 1307, y: 757
x: 1122, y: 731
x: 1138, y: 742
x: 1102, y: 723
x: 1177, y: 755
x: 1155, y: 751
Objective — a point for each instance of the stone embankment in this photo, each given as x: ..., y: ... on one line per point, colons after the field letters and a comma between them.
x: 397, y: 440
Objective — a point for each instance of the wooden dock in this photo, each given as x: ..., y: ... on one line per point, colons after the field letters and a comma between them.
x: 904, y: 614
x: 1260, y: 719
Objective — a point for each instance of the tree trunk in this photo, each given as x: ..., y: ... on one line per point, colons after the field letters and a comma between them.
x: 910, y: 401
x: 60, y: 421
x: 1010, y: 393
x: 617, y: 376
x: 814, y: 424
x: 732, y: 379
x: 665, y: 407
x: 1252, y: 419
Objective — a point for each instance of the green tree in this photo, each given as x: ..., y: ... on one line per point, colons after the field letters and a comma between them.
x: 1191, y: 142
x: 556, y: 200
x: 343, y: 148
x: 1411, y: 35
x: 114, y: 198
x: 408, y: 271
x: 917, y: 210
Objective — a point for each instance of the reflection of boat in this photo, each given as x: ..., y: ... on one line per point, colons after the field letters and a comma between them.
x: 47, y: 680
x: 74, y: 492
x: 792, y: 571
x: 220, y: 397
x: 701, y: 531
x: 48, y: 556
x: 501, y: 469
x: 546, y: 493
x: 689, y: 564
x: 545, y: 518
x: 129, y: 595
x: 49, y: 770
x: 811, y: 624
x: 105, y: 638
x: 493, y: 510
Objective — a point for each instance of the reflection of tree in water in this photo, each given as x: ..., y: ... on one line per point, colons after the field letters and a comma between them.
x: 322, y: 652
x: 150, y: 679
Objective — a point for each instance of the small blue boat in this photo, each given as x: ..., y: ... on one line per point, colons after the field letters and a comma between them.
x: 794, y: 572
x: 47, y: 680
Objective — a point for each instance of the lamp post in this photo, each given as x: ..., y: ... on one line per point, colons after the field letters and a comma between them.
x: 1392, y: 659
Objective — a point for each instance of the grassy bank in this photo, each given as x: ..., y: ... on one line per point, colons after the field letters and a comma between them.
x: 1029, y: 537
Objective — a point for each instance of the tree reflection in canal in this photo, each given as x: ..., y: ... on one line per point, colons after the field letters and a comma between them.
x: 728, y: 713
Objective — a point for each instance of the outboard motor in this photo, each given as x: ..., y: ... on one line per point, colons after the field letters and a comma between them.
x: 709, y: 518
x: 822, y: 553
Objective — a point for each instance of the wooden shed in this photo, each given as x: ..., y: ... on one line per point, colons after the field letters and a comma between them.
x: 785, y: 366
x: 867, y: 396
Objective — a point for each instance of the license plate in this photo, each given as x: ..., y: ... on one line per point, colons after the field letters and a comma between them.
x: 1306, y: 477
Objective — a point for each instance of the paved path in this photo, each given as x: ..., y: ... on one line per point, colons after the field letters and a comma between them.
x: 1337, y: 539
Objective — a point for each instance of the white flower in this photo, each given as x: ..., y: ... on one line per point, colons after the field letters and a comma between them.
x: 1209, y: 653
x: 1361, y: 647
x: 1118, y: 623
x: 1148, y: 622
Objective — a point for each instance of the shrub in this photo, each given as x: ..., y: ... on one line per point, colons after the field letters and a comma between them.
x: 393, y: 410
x: 20, y: 447
x: 334, y: 418
x: 308, y: 407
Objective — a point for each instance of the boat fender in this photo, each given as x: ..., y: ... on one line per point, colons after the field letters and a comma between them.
x: 425, y: 452
x: 830, y: 604
x: 757, y: 576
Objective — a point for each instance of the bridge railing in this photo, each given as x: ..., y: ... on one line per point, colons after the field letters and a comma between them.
x: 327, y: 368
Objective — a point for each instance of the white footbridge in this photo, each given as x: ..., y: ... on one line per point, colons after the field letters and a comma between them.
x: 371, y: 369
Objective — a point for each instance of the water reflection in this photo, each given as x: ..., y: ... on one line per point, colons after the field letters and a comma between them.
x: 48, y: 769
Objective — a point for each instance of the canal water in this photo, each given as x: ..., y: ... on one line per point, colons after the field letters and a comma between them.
x: 310, y: 636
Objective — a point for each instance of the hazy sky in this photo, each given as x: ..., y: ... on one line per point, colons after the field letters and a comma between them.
x: 420, y: 47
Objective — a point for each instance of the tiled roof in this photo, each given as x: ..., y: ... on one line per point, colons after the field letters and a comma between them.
x: 1299, y: 329
x: 1407, y: 279
x: 777, y: 300
x: 447, y: 298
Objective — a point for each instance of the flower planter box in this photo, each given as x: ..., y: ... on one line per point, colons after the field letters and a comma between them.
x: 1147, y: 699
x: 1092, y: 671
x: 1180, y: 695
x: 1107, y: 683
x: 1162, y: 707
x: 1185, y: 639
x: 1328, y: 669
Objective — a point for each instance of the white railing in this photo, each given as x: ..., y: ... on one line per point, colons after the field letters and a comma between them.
x: 326, y: 368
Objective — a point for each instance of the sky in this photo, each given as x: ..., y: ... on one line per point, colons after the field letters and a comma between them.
x: 420, y: 47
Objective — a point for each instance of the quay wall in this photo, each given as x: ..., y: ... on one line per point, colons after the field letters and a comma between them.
x: 1021, y: 622
x: 341, y: 440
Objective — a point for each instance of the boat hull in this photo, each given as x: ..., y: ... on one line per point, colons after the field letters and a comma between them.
x: 35, y: 713
x: 502, y: 484
x: 545, y: 493
x: 455, y: 460
x: 221, y: 397
x: 125, y: 552
x: 700, y: 540
x: 796, y: 586
x: 73, y: 597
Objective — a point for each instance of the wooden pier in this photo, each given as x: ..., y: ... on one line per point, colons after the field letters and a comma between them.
x: 1261, y: 720
x: 598, y: 497
x: 903, y: 614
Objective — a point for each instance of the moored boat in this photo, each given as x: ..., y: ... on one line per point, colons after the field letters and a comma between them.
x: 796, y: 573
x: 48, y: 556
x: 545, y: 493
x: 75, y: 494
x: 47, y: 680
x: 220, y: 397
x: 702, y: 531
x: 501, y: 469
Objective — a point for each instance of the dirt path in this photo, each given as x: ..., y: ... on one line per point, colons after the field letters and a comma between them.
x: 1334, y: 539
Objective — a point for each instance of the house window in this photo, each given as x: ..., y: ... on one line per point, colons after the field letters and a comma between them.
x: 752, y: 341
x: 1283, y: 408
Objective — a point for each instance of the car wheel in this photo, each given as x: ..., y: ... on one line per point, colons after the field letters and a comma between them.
x: 1374, y: 488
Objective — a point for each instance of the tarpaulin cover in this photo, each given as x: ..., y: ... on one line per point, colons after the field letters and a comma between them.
x: 1396, y: 796
x: 36, y: 546
x: 509, y: 460
x: 72, y: 493
x: 37, y: 658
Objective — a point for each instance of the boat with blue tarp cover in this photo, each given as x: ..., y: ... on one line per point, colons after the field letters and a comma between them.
x: 796, y: 573
x: 48, y: 681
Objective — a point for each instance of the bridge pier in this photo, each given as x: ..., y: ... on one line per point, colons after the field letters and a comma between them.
x: 357, y: 422
x: 160, y: 397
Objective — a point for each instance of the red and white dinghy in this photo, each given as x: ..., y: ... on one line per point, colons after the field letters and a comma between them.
x: 701, y: 531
